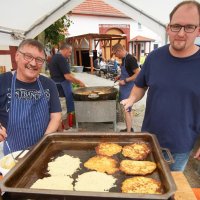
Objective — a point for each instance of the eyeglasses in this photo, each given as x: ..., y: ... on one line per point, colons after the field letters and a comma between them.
x: 187, y: 28
x: 115, y: 52
x: 28, y: 57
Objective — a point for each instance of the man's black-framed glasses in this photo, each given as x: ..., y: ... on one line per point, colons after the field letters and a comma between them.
x: 28, y: 57
x: 187, y: 28
x: 115, y: 52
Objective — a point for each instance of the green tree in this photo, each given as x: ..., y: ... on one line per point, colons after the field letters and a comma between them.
x: 57, y: 31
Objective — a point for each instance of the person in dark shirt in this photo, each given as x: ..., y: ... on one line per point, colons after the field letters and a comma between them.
x: 171, y: 75
x: 59, y: 68
x: 29, y: 102
x: 129, y: 71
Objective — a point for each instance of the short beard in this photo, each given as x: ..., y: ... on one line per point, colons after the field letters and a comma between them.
x: 177, y: 47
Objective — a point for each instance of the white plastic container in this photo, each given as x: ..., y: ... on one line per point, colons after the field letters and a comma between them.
x: 77, y: 69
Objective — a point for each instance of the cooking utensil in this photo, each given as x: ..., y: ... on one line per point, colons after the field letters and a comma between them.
x: 10, y: 150
x: 96, y: 94
x: 83, y: 146
x: 6, y: 142
x: 87, y: 93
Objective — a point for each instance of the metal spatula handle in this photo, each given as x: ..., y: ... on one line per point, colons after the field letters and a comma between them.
x: 8, y: 147
x: 10, y: 151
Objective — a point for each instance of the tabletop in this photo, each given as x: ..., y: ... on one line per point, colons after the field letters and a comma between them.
x: 184, y: 191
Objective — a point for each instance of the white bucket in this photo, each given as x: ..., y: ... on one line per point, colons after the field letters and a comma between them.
x: 77, y: 69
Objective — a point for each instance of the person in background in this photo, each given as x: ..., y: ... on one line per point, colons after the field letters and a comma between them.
x: 129, y: 71
x: 142, y: 59
x: 59, y: 68
x: 96, y: 63
x: 29, y: 103
x: 115, y: 64
x: 171, y: 75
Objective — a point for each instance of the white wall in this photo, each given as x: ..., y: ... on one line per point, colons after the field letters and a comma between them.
x: 5, y: 60
x: 90, y: 24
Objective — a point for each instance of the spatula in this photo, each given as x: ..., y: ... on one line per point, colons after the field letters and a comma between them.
x: 6, y: 142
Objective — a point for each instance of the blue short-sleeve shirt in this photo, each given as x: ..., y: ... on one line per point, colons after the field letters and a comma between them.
x: 173, y: 98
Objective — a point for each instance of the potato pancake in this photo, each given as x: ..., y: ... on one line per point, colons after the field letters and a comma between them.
x: 102, y: 164
x: 108, y: 149
x: 136, y: 151
x: 95, y: 182
x: 54, y: 183
x: 141, y: 185
x: 137, y: 167
x: 72, y: 164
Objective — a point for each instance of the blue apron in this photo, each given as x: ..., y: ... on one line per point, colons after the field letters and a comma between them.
x: 67, y: 89
x: 28, y: 120
x: 125, y: 90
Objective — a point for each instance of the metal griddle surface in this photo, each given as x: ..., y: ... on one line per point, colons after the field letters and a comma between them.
x: 34, y: 165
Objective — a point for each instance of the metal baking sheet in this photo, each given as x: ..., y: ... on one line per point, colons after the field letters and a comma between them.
x: 34, y: 166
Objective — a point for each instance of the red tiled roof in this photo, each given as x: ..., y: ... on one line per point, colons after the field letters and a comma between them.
x: 140, y: 38
x: 97, y: 7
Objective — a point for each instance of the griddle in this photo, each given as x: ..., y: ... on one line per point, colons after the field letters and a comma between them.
x: 16, y: 184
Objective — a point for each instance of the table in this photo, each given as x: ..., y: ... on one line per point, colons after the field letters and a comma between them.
x: 184, y: 191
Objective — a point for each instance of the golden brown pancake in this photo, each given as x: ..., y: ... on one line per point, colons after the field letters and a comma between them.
x: 137, y: 167
x: 141, y: 185
x: 102, y: 164
x: 136, y: 151
x: 108, y: 149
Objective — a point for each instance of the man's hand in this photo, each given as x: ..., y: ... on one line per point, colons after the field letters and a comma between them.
x: 127, y: 103
x: 197, y: 155
x: 81, y: 84
x: 116, y: 78
x: 122, y: 82
x: 3, y: 134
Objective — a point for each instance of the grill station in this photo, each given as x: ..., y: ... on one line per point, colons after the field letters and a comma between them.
x: 95, y: 104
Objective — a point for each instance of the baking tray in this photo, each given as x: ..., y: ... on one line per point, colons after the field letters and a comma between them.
x: 17, y: 182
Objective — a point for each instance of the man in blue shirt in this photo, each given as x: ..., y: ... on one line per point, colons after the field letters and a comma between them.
x: 171, y: 75
x: 60, y: 72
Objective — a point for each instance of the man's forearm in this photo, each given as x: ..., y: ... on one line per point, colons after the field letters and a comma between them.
x: 137, y: 93
x: 72, y: 79
x: 55, y: 120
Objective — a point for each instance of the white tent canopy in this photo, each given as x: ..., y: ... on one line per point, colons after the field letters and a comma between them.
x: 153, y: 14
x: 21, y: 19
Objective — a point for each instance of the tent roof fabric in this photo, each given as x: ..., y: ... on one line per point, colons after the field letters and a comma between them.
x: 26, y: 19
x: 21, y: 19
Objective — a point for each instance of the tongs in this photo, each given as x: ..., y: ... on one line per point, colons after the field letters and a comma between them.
x: 6, y: 142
